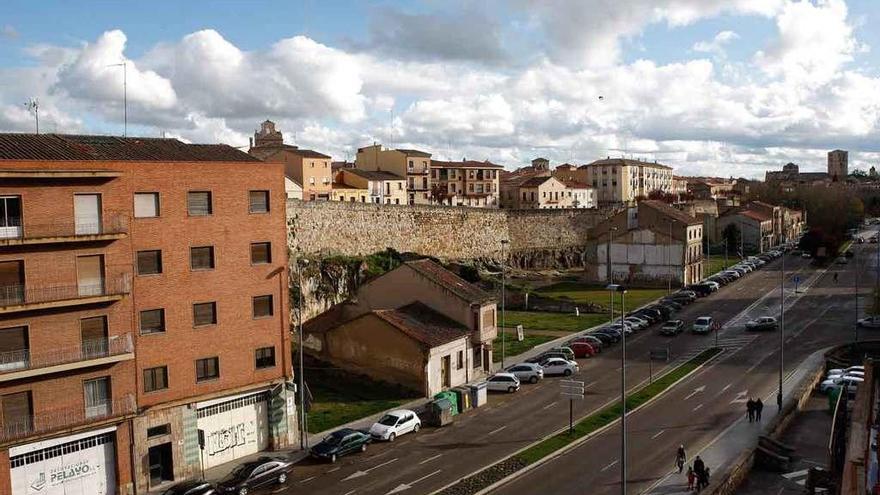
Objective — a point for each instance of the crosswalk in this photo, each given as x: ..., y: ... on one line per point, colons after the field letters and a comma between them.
x: 727, y: 344
x: 800, y: 478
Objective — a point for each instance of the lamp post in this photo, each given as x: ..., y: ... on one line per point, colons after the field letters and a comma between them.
x: 304, y: 431
x: 611, y: 231
x: 781, y: 330
x: 669, y: 259
x: 612, y: 288
x: 504, y: 243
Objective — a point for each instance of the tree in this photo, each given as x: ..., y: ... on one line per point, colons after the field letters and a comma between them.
x: 858, y: 173
x: 732, y: 236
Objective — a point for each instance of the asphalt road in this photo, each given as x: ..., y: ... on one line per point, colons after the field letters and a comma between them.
x: 694, y: 412
x: 429, y: 460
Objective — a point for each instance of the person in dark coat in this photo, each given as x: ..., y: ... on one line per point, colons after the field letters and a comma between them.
x: 700, y: 471
x: 750, y: 408
x: 759, y: 406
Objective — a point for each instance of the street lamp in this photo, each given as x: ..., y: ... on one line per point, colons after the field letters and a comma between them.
x: 304, y: 433
x: 669, y: 259
x: 612, y: 288
x: 611, y: 231
x: 504, y: 243
x: 781, y: 330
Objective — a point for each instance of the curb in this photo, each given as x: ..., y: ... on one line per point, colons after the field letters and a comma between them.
x: 553, y: 455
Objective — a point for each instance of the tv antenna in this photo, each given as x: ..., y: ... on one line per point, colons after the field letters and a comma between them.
x: 124, y: 66
x: 33, y: 106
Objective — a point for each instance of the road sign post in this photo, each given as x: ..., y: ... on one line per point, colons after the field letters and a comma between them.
x: 796, y: 280
x: 660, y: 354
x: 519, y: 333
x: 572, y: 390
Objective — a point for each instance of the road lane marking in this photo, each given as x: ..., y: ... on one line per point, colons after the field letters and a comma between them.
x: 590, y: 384
x: 337, y: 468
x: 358, y: 474
x: 696, y: 391
x: 795, y: 474
x: 307, y: 479
x: 496, y: 430
x: 406, y: 486
x: 606, y: 468
x: 548, y: 406
x: 351, y: 492
x: 698, y: 406
x: 429, y: 459
x: 657, y: 434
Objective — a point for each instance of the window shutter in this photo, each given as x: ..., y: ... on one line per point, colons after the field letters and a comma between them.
x: 13, y: 339
x: 199, y: 203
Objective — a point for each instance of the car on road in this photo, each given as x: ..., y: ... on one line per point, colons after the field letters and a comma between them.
x: 395, y: 423
x: 806, y: 255
x: 672, y: 327
x: 714, y: 285
x: 591, y: 339
x: 625, y: 327
x: 701, y: 289
x: 259, y: 473
x: 838, y: 371
x: 763, y: 323
x: 870, y: 322
x: 703, y: 325
x: 636, y: 322
x: 551, y: 354
x: 606, y: 338
x: 834, y: 383
x: 559, y: 366
x: 193, y: 487
x: 583, y: 349
x: 503, y: 382
x: 567, y: 351
x: 527, y: 372
x: 339, y: 443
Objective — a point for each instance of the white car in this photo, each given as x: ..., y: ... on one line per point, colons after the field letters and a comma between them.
x: 855, y: 373
x: 714, y: 285
x: 503, y: 382
x: 559, y: 366
x: 870, y: 322
x: 637, y: 323
x: 527, y: 372
x: 835, y: 383
x: 703, y: 325
x: 394, y: 424
x: 840, y: 371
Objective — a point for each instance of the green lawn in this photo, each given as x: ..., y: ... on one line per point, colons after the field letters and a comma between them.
x: 716, y: 264
x: 515, y: 348
x: 580, y: 292
x: 564, y: 322
x: 340, y: 397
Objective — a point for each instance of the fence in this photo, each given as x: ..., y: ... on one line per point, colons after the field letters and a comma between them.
x: 90, y: 349
x: 67, y: 417
x: 19, y: 294
x: 15, y: 228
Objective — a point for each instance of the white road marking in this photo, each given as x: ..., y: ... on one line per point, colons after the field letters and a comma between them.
x: 696, y: 391
x: 726, y: 387
x: 795, y: 474
x: 548, y: 406
x: 358, y: 474
x: 307, y: 479
x: 337, y: 468
x: 496, y: 430
x: 606, y: 468
x: 406, y: 486
x: 351, y: 492
x: 698, y: 406
x: 429, y: 459
x: 657, y: 434
x: 590, y: 384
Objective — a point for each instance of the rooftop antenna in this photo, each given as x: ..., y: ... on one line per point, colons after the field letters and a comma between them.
x: 33, y: 106
x: 124, y: 66
x: 391, y: 130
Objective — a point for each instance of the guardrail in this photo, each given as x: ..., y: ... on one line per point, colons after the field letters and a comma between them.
x: 26, y: 359
x: 12, y: 295
x: 16, y: 229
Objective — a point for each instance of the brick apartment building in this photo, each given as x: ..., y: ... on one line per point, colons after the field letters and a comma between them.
x: 465, y: 183
x: 142, y: 300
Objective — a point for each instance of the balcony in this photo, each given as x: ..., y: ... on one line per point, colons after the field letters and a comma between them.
x: 418, y: 170
x: 14, y: 233
x: 60, y: 419
x: 18, y: 298
x: 15, y: 365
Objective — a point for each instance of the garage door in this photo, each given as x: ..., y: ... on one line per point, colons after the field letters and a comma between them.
x: 234, y: 428
x: 85, y: 466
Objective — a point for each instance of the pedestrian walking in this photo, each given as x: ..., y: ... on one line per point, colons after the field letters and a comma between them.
x: 835, y: 277
x: 699, y: 471
x: 680, y: 458
x: 691, y: 478
x: 706, y: 477
x: 759, y: 406
x: 750, y: 408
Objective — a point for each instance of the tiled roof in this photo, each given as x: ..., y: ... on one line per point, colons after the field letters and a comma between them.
x: 535, y: 181
x: 450, y: 281
x: 576, y: 185
x: 755, y: 215
x: 465, y: 164
x: 625, y: 161
x: 308, y: 153
x: 373, y: 174
x: 414, y: 152
x: 270, y: 149
x: 671, y: 212
x: 68, y: 147
x: 565, y: 166
x: 423, y: 324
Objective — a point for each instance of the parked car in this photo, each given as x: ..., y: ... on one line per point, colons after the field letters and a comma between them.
x: 806, y: 255
x: 256, y: 474
x: 339, y: 443
x: 870, y: 322
x: 701, y: 289
x: 503, y: 382
x: 527, y: 372
x: 559, y: 366
x: 838, y: 371
x: 569, y: 352
x: 590, y: 339
x: 665, y: 311
x: 394, y: 424
x: 672, y: 303
x: 703, y: 325
x: 672, y: 327
x: 841, y: 260
x: 193, y: 487
x: 626, y: 327
x: 583, y: 349
x: 834, y: 383
x: 856, y: 373
x: 714, y: 285
x: 636, y: 322
x: 652, y: 314
x: 686, y: 293
x: 540, y: 358
x: 763, y: 323
x: 606, y: 338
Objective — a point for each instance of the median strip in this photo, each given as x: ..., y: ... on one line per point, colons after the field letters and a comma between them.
x: 602, y: 418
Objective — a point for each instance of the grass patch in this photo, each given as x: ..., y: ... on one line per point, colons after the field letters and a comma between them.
x: 579, y: 292
x: 715, y: 264
x: 562, y: 322
x: 340, y: 397
x: 515, y: 348
x: 611, y: 413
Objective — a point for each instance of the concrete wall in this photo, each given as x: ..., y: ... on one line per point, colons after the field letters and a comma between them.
x: 639, y: 256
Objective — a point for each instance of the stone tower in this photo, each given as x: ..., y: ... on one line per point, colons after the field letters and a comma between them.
x: 267, y: 135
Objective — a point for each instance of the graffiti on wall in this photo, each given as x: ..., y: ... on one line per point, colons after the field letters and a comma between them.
x: 231, y: 436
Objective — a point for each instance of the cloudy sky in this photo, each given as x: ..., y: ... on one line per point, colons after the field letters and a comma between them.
x: 713, y: 87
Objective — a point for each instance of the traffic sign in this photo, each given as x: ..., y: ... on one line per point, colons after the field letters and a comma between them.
x: 519, y: 333
x: 796, y: 279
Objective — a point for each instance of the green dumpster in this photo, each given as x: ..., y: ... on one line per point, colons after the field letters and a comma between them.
x: 452, y: 397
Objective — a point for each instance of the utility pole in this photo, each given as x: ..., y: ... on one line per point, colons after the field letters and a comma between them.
x: 669, y: 259
x: 304, y: 433
x: 503, y: 281
x: 781, y: 330
x: 611, y: 230
x: 725, y: 253
x: 856, y: 260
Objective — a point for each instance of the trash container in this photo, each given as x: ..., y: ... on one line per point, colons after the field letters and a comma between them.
x: 441, y: 412
x: 478, y: 394
x: 463, y: 396
x: 451, y: 397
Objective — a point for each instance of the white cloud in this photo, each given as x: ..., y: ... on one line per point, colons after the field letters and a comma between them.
x: 9, y: 32
x: 716, y: 46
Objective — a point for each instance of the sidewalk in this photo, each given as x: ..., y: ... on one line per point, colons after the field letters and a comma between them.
x: 724, y: 450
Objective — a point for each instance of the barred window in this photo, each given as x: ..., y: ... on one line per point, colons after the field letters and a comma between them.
x: 264, y: 357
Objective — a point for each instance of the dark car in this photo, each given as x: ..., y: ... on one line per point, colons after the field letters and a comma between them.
x: 604, y: 337
x: 671, y: 303
x: 194, y: 487
x: 665, y: 311
x: 701, y: 290
x: 255, y: 474
x: 653, y: 315
x: 340, y: 443
x: 672, y: 327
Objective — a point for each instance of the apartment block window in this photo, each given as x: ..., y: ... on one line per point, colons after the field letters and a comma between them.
x: 198, y: 203
x: 264, y: 357
x: 158, y: 431
x: 152, y: 321
x: 207, y: 369
x: 204, y: 314
x: 97, y: 397
x: 17, y: 412
x: 10, y: 216
x: 155, y: 378
x: 93, y: 335
x: 201, y: 258
x: 312, y: 181
x: 149, y: 262
x: 263, y: 306
x: 261, y: 253
x: 459, y: 363
x: 14, y: 345
x: 259, y: 201
x: 146, y: 205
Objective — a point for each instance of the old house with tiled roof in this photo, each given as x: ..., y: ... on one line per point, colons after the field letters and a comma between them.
x: 465, y: 183
x: 308, y: 168
x: 414, y: 165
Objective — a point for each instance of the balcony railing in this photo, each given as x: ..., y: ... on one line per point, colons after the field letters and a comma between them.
x: 45, y: 422
x: 89, y: 350
x: 15, y: 295
x: 13, y: 229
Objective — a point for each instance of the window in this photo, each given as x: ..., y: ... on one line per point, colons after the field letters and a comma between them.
x: 155, y: 379
x: 259, y: 201
x: 198, y: 203
x: 158, y: 431
x: 262, y: 306
x: 204, y: 314
x: 146, y: 205
x: 261, y: 253
x: 264, y: 357
x: 149, y: 262
x: 93, y: 335
x: 201, y: 258
x: 459, y: 363
x: 17, y: 412
x: 207, y: 369
x: 478, y: 357
x: 152, y: 321
x: 10, y: 216
x: 14, y: 345
x: 97, y: 397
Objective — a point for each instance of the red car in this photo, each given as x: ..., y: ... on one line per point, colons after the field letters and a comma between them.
x: 582, y: 349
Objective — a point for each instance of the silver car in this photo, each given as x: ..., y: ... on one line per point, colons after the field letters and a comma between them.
x: 527, y: 372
